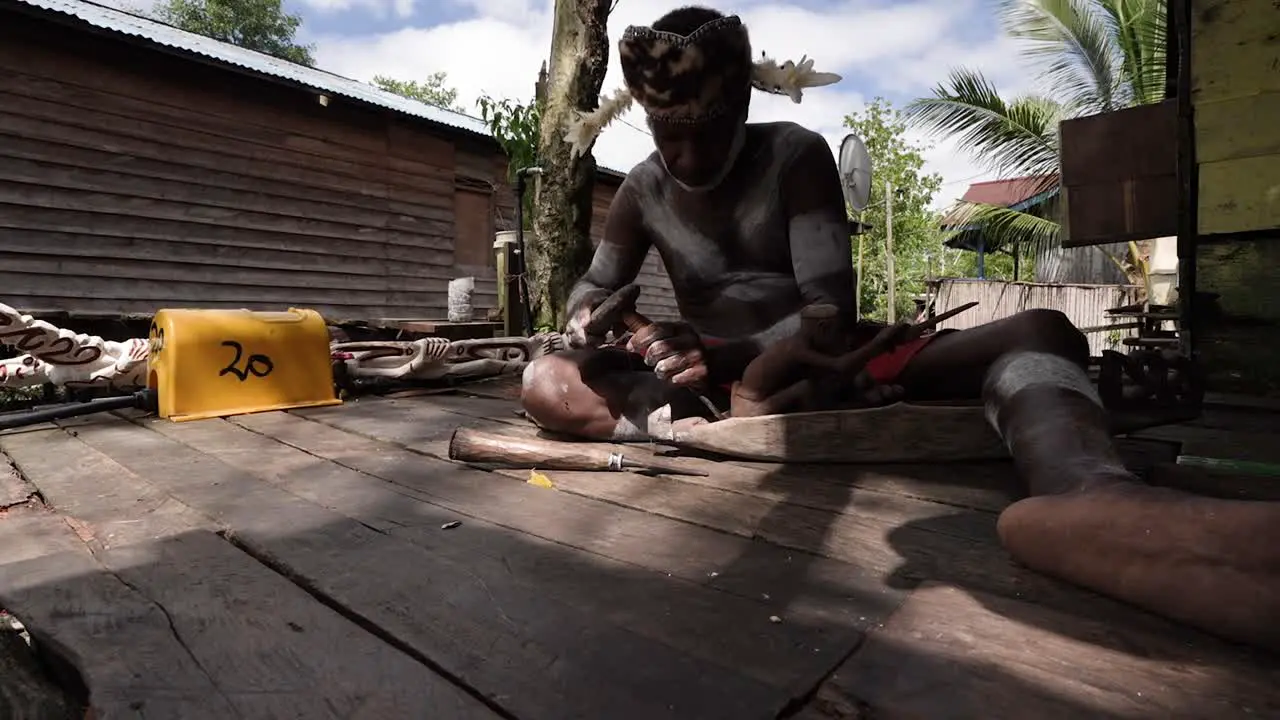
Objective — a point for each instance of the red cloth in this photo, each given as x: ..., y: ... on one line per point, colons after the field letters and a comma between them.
x: 883, y: 368
x: 886, y: 367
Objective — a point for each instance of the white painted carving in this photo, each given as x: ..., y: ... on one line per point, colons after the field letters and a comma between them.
x: 436, y: 358
x: 61, y: 357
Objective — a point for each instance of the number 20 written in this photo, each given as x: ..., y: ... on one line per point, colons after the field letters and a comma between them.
x: 256, y: 365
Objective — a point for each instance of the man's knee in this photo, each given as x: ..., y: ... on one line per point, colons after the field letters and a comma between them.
x: 1051, y: 331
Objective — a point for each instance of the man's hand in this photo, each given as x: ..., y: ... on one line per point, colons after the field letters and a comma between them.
x: 673, y: 350
x: 575, y: 332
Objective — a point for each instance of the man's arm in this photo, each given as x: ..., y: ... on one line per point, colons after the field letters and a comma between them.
x: 818, y: 228
x: 619, y: 255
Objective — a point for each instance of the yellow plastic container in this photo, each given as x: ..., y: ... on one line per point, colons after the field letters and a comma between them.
x: 214, y: 363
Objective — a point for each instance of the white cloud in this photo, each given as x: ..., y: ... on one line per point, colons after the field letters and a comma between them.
x: 378, y: 8
x: 900, y: 48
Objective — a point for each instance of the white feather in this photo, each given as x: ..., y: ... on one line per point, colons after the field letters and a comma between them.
x: 790, y: 78
x: 586, y: 127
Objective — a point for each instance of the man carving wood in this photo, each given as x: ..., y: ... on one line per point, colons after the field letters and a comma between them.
x: 751, y: 225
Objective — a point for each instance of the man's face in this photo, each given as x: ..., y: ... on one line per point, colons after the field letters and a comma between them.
x: 695, y: 153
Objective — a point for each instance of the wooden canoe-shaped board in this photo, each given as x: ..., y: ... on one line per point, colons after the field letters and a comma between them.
x: 902, y: 432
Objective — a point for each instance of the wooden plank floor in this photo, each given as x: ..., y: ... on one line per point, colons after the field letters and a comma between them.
x: 333, y: 563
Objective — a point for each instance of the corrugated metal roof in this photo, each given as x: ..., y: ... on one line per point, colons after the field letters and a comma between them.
x: 118, y: 21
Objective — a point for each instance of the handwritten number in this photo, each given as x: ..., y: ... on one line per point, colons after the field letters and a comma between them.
x: 256, y: 365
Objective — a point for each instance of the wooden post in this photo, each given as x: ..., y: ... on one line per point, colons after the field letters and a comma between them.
x: 888, y: 248
x: 857, y: 280
x: 509, y: 291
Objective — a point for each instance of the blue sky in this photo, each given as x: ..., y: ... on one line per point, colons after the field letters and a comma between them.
x: 898, y: 49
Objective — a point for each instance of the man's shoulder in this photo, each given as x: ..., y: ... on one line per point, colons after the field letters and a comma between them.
x: 786, y: 137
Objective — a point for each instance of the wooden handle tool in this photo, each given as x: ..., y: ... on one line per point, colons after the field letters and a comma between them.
x: 475, y: 446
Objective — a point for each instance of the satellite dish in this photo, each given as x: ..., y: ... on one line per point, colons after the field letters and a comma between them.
x: 855, y: 172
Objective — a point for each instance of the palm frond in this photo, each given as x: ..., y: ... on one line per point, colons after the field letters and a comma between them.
x: 1138, y: 28
x: 1003, y: 228
x: 1018, y: 137
x: 1074, y: 42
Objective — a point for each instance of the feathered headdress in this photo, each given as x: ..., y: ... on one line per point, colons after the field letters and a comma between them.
x: 692, y: 78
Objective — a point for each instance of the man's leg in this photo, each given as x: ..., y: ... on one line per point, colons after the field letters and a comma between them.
x: 1208, y: 562
x: 606, y: 394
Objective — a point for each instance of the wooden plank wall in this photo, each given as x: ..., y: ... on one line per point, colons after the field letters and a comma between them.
x: 1235, y: 78
x: 130, y: 181
x: 1239, y: 337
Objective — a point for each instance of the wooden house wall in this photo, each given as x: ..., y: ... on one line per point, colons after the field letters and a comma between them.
x: 1235, y: 91
x: 131, y: 181
x: 1235, y: 94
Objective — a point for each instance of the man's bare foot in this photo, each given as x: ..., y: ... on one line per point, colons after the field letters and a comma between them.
x: 1208, y: 562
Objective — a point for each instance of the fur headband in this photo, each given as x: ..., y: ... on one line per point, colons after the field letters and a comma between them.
x: 693, y: 78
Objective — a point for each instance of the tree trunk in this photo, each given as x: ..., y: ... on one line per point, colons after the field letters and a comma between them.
x: 561, y: 251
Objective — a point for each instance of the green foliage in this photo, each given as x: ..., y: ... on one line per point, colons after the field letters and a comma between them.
x: 996, y: 266
x: 433, y: 90
x: 1092, y: 55
x: 260, y: 25
x: 516, y: 127
x: 917, y: 238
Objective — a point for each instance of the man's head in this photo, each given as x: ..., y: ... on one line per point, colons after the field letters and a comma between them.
x: 691, y: 72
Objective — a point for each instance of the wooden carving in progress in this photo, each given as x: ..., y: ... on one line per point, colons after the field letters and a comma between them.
x: 788, y: 406
x: 902, y: 432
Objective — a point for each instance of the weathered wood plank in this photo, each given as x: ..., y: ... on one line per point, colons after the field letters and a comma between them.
x: 76, y: 63
x: 270, y: 649
x: 306, y: 182
x: 952, y: 544
x: 1211, y: 442
x: 948, y: 653
x: 1244, y: 334
x: 89, y: 222
x: 121, y: 643
x: 55, y: 170
x: 420, y: 425
x: 14, y: 489
x: 524, y: 651
x: 153, y: 268
x: 1234, y: 49
x: 1237, y: 195
x: 1238, y: 128
x: 281, y: 293
x: 111, y: 200
x: 52, y: 104
x: 867, y: 435
x: 988, y: 486
x: 26, y: 688
x: 44, y: 142
x: 815, y: 590
x: 425, y: 424
x: 323, y: 256
x: 1217, y: 483
x: 731, y: 498
x: 51, y: 302
x: 722, y: 628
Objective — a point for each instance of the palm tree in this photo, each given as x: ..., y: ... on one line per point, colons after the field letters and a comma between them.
x: 1093, y: 56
